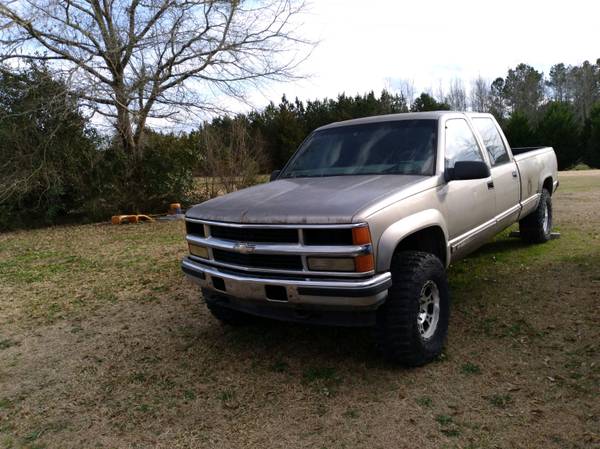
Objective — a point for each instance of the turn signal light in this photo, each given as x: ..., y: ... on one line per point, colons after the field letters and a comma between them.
x: 361, y: 235
x: 364, y: 263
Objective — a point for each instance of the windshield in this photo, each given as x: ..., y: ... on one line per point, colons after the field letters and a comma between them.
x: 404, y: 147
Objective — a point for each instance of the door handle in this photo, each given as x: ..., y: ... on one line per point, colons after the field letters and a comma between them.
x: 490, y: 184
x: 514, y: 174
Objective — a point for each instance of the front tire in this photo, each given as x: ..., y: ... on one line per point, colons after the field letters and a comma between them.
x: 537, y: 226
x: 412, y: 324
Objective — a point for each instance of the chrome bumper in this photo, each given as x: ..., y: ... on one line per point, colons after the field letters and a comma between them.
x: 327, y: 294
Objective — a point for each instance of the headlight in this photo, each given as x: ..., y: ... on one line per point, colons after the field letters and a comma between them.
x: 331, y: 263
x: 198, y: 251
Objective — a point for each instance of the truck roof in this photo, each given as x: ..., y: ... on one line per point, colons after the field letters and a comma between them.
x: 433, y: 115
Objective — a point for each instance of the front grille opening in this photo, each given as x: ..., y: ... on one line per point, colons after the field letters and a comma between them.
x: 276, y: 292
x: 258, y: 235
x: 328, y: 236
x: 194, y: 228
x: 218, y: 283
x: 275, y: 261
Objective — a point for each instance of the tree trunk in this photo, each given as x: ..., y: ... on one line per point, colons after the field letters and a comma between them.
x: 132, y: 193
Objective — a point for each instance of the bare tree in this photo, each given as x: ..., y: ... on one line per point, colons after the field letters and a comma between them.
x: 480, y: 97
x: 440, y: 93
x: 523, y: 90
x: 231, y: 159
x: 457, y: 96
x: 138, y: 60
x: 406, y: 88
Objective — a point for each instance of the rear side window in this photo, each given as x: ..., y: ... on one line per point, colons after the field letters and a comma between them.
x: 492, y: 140
x: 461, y: 144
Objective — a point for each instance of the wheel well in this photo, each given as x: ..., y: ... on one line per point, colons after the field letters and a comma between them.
x: 548, y: 185
x: 429, y: 240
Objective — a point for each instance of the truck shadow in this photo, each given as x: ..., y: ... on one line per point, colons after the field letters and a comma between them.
x: 322, y: 344
x: 500, y: 246
x: 304, y: 342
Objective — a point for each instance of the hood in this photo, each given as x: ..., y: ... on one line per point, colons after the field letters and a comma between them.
x: 333, y: 199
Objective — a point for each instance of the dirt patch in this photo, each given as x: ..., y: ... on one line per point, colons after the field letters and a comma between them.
x: 113, y: 348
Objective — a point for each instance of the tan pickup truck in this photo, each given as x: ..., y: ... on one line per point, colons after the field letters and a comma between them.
x: 359, y: 226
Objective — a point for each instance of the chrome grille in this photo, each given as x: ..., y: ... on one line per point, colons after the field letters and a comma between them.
x: 257, y: 235
x: 194, y: 228
x: 272, y: 248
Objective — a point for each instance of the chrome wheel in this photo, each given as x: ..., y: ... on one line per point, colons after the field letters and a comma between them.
x: 546, y: 224
x: 429, y: 310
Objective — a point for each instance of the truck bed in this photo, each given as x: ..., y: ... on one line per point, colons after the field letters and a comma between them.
x: 535, y: 165
x: 521, y: 150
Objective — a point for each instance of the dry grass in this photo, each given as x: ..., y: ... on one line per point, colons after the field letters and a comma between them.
x: 103, y: 344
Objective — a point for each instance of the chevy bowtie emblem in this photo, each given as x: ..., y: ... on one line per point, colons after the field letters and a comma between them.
x: 244, y: 248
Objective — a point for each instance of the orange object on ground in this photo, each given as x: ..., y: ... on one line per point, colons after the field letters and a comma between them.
x: 120, y: 219
x: 174, y: 208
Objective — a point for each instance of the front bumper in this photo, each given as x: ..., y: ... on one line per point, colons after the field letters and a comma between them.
x: 344, y: 294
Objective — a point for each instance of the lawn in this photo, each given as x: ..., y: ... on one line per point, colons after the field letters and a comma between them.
x: 105, y: 344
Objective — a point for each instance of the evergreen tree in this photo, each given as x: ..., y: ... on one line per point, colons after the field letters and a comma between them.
x: 559, y: 129
x: 426, y: 102
x: 524, y: 90
x: 47, y: 149
x: 558, y: 82
x: 592, y: 155
x: 497, y: 103
x: 518, y: 131
x: 584, y: 81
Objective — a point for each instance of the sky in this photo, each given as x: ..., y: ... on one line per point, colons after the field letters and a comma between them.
x: 371, y: 45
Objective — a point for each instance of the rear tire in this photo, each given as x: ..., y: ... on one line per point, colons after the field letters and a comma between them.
x: 412, y: 324
x: 224, y: 314
x: 537, y: 226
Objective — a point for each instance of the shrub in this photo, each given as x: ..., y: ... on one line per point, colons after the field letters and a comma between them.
x: 46, y: 149
x: 56, y: 168
x: 164, y: 175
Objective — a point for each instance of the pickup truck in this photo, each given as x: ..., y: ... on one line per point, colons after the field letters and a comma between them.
x: 360, y: 225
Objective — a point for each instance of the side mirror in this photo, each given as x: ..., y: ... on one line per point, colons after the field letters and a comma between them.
x: 274, y: 175
x: 468, y: 170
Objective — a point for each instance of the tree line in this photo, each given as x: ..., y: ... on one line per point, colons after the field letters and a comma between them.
x: 560, y: 110
x: 56, y: 166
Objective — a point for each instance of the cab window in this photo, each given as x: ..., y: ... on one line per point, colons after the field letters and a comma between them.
x: 461, y: 144
x: 492, y: 140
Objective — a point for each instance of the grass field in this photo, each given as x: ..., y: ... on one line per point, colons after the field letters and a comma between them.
x: 104, y: 344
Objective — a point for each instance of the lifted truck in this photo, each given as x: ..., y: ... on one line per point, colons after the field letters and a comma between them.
x: 358, y: 227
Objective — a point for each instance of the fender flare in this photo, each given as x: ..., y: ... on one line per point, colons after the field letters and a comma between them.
x: 405, y: 227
